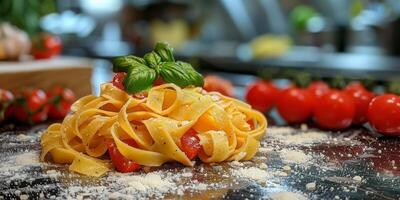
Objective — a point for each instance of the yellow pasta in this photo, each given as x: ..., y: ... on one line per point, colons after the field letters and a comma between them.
x: 156, y: 123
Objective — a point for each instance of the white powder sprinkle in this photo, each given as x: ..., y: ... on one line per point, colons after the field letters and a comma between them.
x: 29, y: 158
x: 288, y: 135
x: 148, y: 182
x: 263, y: 166
x: 24, y: 197
x: 236, y: 163
x: 288, y: 196
x: 187, y: 174
x: 294, y: 156
x: 23, y: 137
x: 252, y: 173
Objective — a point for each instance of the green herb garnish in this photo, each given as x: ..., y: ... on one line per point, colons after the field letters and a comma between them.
x: 142, y: 72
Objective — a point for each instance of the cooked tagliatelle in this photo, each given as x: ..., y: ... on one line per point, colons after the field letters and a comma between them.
x: 156, y: 123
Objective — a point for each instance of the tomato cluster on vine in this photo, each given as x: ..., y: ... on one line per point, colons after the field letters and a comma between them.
x: 35, y: 105
x: 330, y: 107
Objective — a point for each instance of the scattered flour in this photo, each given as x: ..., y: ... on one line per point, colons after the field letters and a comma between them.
x: 289, y: 135
x: 23, y: 137
x: 288, y: 196
x: 252, y: 173
x: 294, y: 156
x: 153, y: 181
x: 29, y: 158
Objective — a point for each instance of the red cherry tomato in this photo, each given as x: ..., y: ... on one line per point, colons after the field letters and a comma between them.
x: 334, y: 110
x: 190, y: 144
x: 384, y: 114
x: 261, y: 95
x: 362, y: 97
x: 295, y: 105
x: 60, y: 101
x: 46, y: 46
x: 118, y: 79
x: 6, y: 96
x: 318, y: 88
x: 159, y: 81
x: 6, y: 99
x: 354, y: 86
x: 218, y: 84
x: 32, y: 106
x: 121, y: 163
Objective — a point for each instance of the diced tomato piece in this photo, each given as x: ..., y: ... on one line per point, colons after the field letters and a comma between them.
x: 121, y: 163
x: 251, y: 123
x: 118, y: 79
x: 190, y: 144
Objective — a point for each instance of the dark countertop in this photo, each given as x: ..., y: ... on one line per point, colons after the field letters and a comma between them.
x: 335, y: 161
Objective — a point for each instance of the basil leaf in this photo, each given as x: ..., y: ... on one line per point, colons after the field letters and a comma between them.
x: 152, y: 59
x: 181, y: 74
x: 196, y: 78
x: 172, y: 73
x: 164, y: 51
x: 139, y: 78
x: 123, y: 63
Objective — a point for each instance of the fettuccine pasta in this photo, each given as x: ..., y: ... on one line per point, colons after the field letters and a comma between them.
x: 156, y: 123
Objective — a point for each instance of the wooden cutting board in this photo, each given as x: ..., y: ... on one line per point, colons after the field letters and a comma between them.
x: 71, y: 72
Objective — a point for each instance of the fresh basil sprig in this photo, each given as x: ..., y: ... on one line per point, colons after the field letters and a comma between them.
x: 123, y: 63
x: 142, y: 72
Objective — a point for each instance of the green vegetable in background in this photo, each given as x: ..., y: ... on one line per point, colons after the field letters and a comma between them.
x: 142, y: 72
x: 300, y: 15
x: 26, y: 14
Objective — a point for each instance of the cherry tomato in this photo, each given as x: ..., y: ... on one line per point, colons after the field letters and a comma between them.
x: 354, y: 86
x: 218, y: 84
x: 295, y: 105
x: 60, y: 101
x: 6, y: 99
x: 6, y: 96
x: 46, y: 46
x: 261, y: 95
x: 121, y: 163
x: 318, y: 88
x: 334, y: 110
x: 118, y: 79
x: 384, y: 114
x: 362, y: 97
x: 190, y: 144
x: 32, y: 106
x: 159, y: 81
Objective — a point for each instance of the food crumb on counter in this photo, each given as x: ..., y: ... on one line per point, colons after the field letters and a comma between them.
x: 357, y: 178
x: 263, y: 166
x: 287, y: 169
x: 311, y: 186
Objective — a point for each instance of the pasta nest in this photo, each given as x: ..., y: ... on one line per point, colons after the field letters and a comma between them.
x: 156, y: 123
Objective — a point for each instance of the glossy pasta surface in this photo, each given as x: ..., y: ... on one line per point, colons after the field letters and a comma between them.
x: 156, y: 123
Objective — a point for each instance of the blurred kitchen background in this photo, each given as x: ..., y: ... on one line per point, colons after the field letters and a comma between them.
x: 233, y: 38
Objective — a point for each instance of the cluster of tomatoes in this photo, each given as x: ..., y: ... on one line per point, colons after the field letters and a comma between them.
x: 35, y: 105
x: 45, y: 45
x: 330, y: 108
